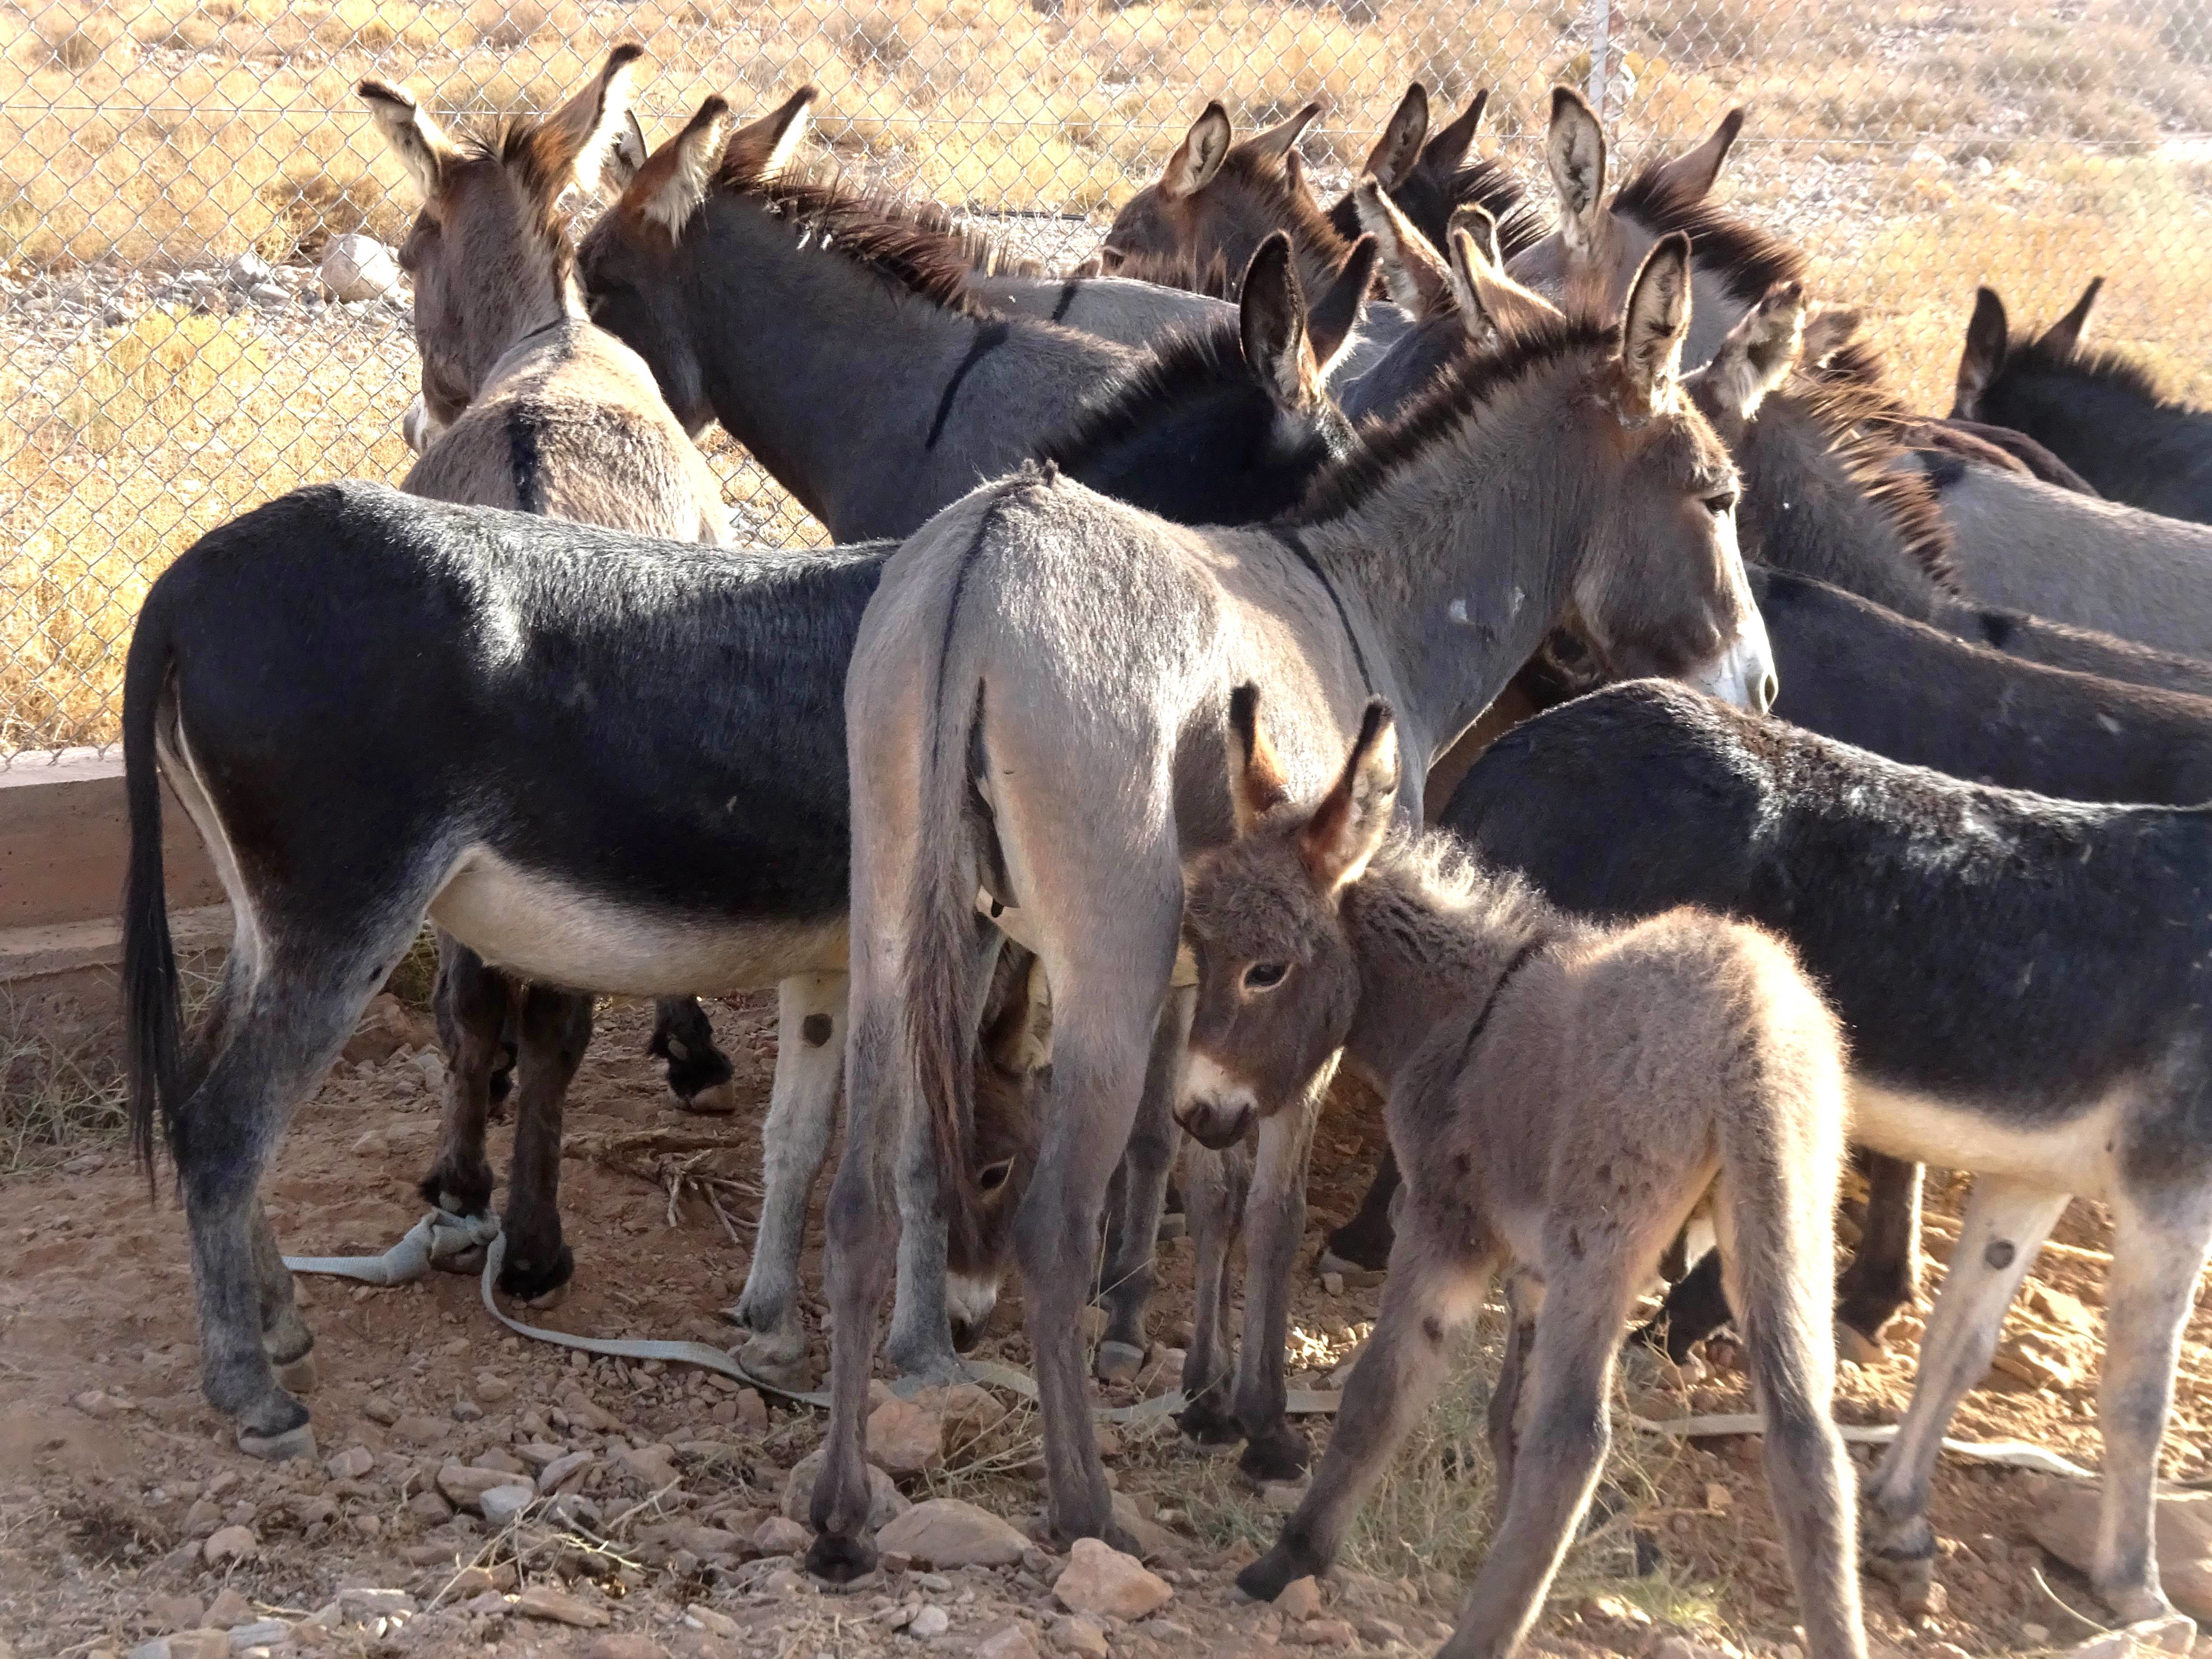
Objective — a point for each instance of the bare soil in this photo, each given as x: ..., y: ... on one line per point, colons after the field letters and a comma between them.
x: 114, y: 1472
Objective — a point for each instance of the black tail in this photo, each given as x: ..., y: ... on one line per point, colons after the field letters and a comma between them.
x: 151, y: 1000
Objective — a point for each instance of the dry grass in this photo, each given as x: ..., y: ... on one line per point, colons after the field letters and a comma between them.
x: 1915, y: 149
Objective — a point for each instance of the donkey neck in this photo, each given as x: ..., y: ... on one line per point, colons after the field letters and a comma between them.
x: 2107, y: 427
x: 860, y: 395
x: 1432, y: 963
x: 1453, y: 567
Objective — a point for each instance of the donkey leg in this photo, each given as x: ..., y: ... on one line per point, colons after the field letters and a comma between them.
x: 809, y: 1057
x: 1140, y: 1186
x: 699, y: 1073
x: 553, y: 1029
x: 1364, y: 1241
x: 2159, y: 1248
x: 474, y: 1000
x: 1437, y: 1282
x: 1216, y: 1186
x: 1562, y: 1449
x: 2005, y: 1223
x: 1508, y: 1395
x: 284, y: 1335
x: 1274, y: 1227
x: 1694, y: 1307
x: 1885, y: 1270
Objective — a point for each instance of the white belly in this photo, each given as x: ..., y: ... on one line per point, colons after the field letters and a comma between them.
x: 2074, y: 1156
x: 545, y: 930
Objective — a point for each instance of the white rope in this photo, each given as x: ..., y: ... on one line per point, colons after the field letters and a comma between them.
x: 441, y: 1236
x: 2016, y: 1454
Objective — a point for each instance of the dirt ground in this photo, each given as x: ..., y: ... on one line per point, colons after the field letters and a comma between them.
x: 117, y: 1481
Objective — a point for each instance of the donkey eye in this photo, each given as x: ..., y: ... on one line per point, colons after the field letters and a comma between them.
x: 992, y: 1176
x: 1264, y: 975
x: 1721, y: 504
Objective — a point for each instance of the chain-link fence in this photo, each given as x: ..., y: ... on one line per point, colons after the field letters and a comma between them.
x: 170, y: 170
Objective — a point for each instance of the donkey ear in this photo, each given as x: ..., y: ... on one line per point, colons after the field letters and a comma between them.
x: 1690, y: 178
x: 1354, y: 816
x: 1655, y: 322
x: 422, y: 148
x: 1256, y: 783
x: 1199, y: 157
x: 1294, y: 174
x: 2064, y: 335
x: 1331, y: 319
x: 1398, y: 149
x: 1449, y: 148
x: 571, y: 145
x: 1271, y: 315
x: 1412, y: 271
x: 1575, y: 153
x: 1493, y: 307
x: 759, y: 152
x: 1827, y: 332
x: 1275, y: 143
x: 673, y: 182
x: 1987, y: 340
x: 1760, y: 352
x: 628, y: 154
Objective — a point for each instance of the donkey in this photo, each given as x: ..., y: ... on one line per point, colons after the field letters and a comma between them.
x: 996, y: 688
x: 537, y: 410
x: 1565, y: 1095
x: 2103, y: 412
x: 1430, y: 181
x: 656, y: 880
x: 2052, y: 1045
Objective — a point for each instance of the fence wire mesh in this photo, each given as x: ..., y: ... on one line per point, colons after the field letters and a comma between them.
x: 171, y: 172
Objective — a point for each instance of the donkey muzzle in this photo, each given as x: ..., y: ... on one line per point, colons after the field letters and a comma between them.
x: 1743, y: 674
x: 1216, y: 1111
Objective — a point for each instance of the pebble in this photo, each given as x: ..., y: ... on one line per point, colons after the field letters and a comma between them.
x: 491, y: 1387
x: 904, y: 1438
x: 262, y: 1632
x: 502, y: 1504
x: 1075, y: 1634
x: 200, y: 1645
x: 558, y: 1606
x: 419, y: 1431
x: 946, y: 1532
x: 362, y: 1602
x: 564, y: 1471
x: 351, y: 1464
x: 777, y: 1536
x: 228, y: 1609
x: 229, y: 1544
x: 932, y: 1620
x: 1300, y: 1600
x: 359, y: 267
x: 1008, y: 1642
x: 182, y: 1612
x: 1099, y: 1579
x: 1322, y: 1633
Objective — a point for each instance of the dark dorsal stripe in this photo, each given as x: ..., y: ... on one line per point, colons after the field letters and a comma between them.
x: 1066, y: 298
x: 1522, y: 958
x: 988, y: 335
x: 1291, y: 539
x: 525, y: 432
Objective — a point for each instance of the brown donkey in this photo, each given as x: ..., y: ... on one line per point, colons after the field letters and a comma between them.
x: 1563, y: 1097
x: 528, y: 405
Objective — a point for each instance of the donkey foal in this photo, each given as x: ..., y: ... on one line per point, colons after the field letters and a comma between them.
x: 1563, y: 1097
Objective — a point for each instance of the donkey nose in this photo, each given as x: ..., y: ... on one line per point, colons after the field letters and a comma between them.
x: 1215, y: 1125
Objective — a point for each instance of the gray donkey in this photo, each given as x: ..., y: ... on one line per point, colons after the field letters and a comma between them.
x: 527, y: 405
x: 1034, y: 716
x: 1563, y: 1096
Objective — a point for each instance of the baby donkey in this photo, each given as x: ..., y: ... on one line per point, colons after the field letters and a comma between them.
x: 1562, y: 1097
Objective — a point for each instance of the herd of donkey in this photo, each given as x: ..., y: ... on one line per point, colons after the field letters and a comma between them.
x: 1066, y: 800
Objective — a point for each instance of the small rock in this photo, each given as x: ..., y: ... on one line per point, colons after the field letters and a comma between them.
x: 1300, y: 1600
x: 430, y: 1508
x: 466, y: 1487
x: 2034, y: 1636
x: 1381, y: 1632
x: 1099, y: 1579
x: 1008, y: 1642
x: 624, y: 1644
x: 203, y: 1518
x: 359, y: 267
x: 885, y: 1502
x: 1331, y: 1283
x: 566, y: 1470
x: 493, y: 1388
x: 350, y: 1464
x: 156, y: 1649
x: 752, y: 1411
x: 945, y: 1532
x: 932, y: 1620
x: 543, y: 1601
x: 229, y: 1608
x: 1076, y: 1634
x: 2040, y: 1361
x: 652, y: 1465
x: 200, y: 1645
x: 2175, y: 1633
x: 229, y: 1544
x: 1322, y: 1633
x: 777, y: 1536
x: 1281, y: 1496
x: 419, y: 1431
x: 378, y: 1409
x: 181, y: 1612
x: 501, y: 1504
x: 1718, y: 1498
x: 715, y: 1624
x: 904, y: 1438
x: 94, y: 1403
x: 363, y: 1603
x: 261, y: 1633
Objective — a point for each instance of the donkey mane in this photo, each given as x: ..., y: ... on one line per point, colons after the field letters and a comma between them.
x: 1849, y: 398
x: 1520, y: 223
x: 1186, y: 361
x: 2107, y: 366
x: 519, y: 146
x: 1454, y: 888
x: 920, y: 246
x: 1292, y: 208
x: 1751, y: 260
x: 1181, y: 270
x: 1471, y: 379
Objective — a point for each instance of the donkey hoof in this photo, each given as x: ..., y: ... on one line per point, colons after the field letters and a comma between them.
x: 1271, y: 1574
x: 298, y: 1442
x: 1277, y: 1456
x: 719, y: 1101
x: 1174, y: 1225
x: 1913, y: 1577
x: 1204, y: 1422
x: 1119, y: 1362
x: 1854, y: 1346
x: 774, y: 1363
x: 523, y: 1279
x: 546, y: 1300
x: 837, y: 1560
x: 469, y: 1262
x: 298, y: 1376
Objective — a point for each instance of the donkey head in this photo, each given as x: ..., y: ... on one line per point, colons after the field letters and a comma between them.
x: 1012, y: 1057
x: 1759, y: 355
x: 1990, y: 351
x: 1278, y: 983
x: 489, y: 252
x: 627, y: 262
x: 1219, y: 199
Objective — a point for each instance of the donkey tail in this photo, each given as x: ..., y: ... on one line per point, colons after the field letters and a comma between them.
x: 151, y: 1000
